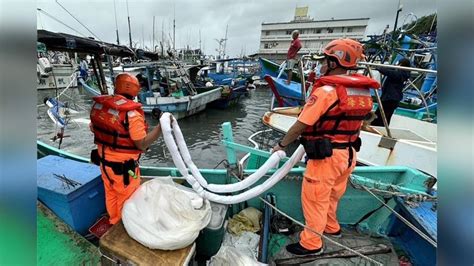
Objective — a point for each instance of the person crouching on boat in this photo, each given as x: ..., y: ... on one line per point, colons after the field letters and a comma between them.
x: 120, y: 132
x: 329, y: 126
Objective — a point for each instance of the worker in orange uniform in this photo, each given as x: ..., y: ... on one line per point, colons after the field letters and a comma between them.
x: 120, y: 132
x: 329, y: 126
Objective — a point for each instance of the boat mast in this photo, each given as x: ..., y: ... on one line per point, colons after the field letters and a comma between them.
x: 225, y: 40
x: 116, y: 25
x: 395, y: 25
x: 129, y: 28
x: 153, y: 41
x: 143, y: 38
x: 162, y: 37
x: 174, y: 27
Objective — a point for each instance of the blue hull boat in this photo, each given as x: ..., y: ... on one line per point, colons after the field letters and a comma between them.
x: 230, y: 97
x: 286, y: 95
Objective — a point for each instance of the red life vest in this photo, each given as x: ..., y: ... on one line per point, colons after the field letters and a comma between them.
x: 109, y: 118
x: 342, y: 121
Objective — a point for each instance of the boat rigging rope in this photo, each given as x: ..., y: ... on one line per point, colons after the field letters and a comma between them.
x: 414, y: 228
x: 59, y: 21
x: 82, y: 24
x: 319, y: 234
x: 410, y: 199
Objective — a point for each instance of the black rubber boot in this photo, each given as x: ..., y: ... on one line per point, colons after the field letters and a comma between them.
x: 337, y: 234
x: 297, y: 249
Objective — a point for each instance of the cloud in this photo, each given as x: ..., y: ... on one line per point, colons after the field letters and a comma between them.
x: 211, y: 17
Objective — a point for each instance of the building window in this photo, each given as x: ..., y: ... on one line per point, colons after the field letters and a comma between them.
x: 288, y: 32
x: 349, y: 29
x: 330, y: 30
x: 267, y: 32
x: 265, y: 46
x: 318, y: 31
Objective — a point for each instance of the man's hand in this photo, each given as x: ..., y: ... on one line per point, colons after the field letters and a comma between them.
x: 156, y: 113
x: 277, y: 148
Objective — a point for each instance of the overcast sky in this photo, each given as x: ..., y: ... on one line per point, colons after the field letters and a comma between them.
x: 211, y: 17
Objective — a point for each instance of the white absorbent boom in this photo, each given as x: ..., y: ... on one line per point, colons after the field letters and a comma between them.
x: 182, y: 159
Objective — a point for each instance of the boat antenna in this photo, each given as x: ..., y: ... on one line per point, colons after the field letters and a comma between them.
x: 59, y: 21
x: 225, y: 39
x: 143, y: 38
x: 162, y: 36
x: 174, y: 26
x: 57, y: 1
x: 116, y: 25
x: 129, y: 28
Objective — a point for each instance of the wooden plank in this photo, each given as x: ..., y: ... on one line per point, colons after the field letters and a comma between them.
x: 343, y: 253
x: 119, y: 246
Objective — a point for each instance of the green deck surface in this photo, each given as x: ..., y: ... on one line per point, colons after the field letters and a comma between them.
x: 58, y: 244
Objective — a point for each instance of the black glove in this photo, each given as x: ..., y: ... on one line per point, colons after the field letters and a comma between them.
x: 156, y: 113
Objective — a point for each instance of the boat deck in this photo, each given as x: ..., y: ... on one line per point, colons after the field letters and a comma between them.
x: 350, y: 238
x: 58, y: 243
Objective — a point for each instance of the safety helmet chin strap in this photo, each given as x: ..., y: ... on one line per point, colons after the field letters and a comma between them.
x: 329, y: 66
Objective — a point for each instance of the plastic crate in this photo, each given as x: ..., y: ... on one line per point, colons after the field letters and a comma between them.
x: 78, y: 205
x: 210, y: 238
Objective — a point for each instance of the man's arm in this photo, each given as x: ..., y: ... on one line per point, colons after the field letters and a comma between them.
x: 316, y: 105
x: 151, y: 137
x: 389, y: 72
x: 140, y: 138
x: 293, y: 133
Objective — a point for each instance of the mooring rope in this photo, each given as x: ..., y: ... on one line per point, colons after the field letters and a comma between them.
x: 414, y: 228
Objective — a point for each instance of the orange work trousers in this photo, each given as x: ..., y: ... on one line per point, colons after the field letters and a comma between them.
x: 116, y: 193
x: 324, y: 184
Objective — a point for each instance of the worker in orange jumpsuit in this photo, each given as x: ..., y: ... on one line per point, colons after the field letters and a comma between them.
x: 329, y: 126
x: 120, y: 132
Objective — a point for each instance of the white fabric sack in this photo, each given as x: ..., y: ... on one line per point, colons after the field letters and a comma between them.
x: 232, y: 256
x: 164, y: 215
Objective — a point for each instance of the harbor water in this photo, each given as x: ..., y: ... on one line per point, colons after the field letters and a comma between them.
x: 201, y: 131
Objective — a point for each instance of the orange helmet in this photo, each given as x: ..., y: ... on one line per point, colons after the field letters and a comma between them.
x: 126, y: 83
x: 346, y: 51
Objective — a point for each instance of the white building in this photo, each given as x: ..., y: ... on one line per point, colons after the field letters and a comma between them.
x: 275, y: 38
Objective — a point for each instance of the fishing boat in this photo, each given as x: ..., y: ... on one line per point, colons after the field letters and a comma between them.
x: 55, y: 70
x: 231, y: 72
x: 273, y: 69
x: 230, y: 96
x: 168, y: 86
x: 176, y: 94
x: 365, y: 211
x: 285, y: 95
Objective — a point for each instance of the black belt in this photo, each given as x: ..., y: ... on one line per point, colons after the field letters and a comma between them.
x: 119, y: 168
x: 345, y: 145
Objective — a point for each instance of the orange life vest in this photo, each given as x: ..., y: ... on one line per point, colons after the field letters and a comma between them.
x: 342, y: 121
x: 109, y: 118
